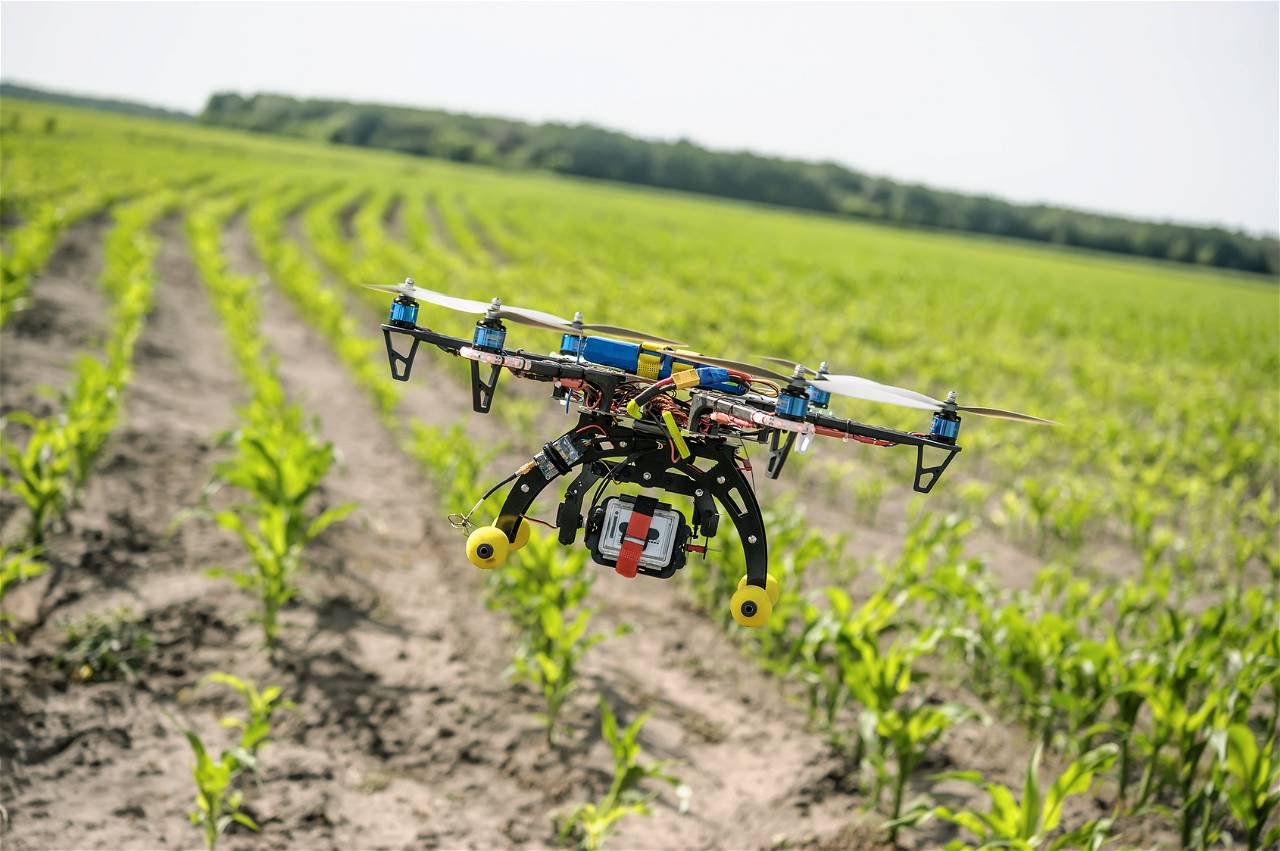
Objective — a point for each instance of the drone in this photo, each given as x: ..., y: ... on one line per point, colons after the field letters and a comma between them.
x: 666, y: 419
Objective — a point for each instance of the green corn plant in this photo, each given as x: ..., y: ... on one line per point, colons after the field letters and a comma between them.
x: 262, y: 705
x: 1184, y: 709
x: 590, y: 824
x: 91, y: 411
x: 274, y: 540
x: 279, y: 463
x: 1128, y: 676
x: 31, y: 245
x: 15, y: 567
x: 39, y: 472
x: 218, y: 801
x: 825, y: 633
x: 1252, y: 786
x: 1030, y: 823
x: 542, y: 589
x: 896, y: 728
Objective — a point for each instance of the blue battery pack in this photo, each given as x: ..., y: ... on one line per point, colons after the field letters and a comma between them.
x: 647, y: 363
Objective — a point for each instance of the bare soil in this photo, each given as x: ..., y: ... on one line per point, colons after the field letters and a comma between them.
x: 407, y: 731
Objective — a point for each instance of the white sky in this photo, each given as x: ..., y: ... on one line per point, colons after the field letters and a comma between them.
x: 1163, y: 110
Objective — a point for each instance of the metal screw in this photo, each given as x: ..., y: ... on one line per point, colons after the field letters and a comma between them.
x: 719, y: 480
x: 622, y: 443
x: 524, y: 489
x: 647, y: 476
x: 751, y: 539
x: 699, y: 492
x: 951, y: 397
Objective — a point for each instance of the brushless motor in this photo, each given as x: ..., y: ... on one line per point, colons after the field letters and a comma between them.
x: 792, y: 403
x: 945, y: 427
x: 404, y: 312
x: 490, y: 335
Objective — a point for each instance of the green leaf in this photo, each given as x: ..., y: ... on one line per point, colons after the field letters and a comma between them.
x: 243, y: 819
x: 1031, y: 803
x: 1075, y: 780
x: 328, y: 518
x: 1242, y: 754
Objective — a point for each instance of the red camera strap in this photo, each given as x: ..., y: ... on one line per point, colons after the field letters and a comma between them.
x: 636, y: 536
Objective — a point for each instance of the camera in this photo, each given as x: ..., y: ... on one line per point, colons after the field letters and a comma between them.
x: 664, y: 548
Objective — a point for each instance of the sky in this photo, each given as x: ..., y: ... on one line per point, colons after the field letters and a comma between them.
x: 1157, y: 110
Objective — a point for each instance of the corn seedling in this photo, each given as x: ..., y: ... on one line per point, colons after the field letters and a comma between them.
x: 590, y: 824
x: 262, y: 706
x: 218, y: 801
x: 542, y: 589
x: 38, y: 473
x: 1253, y: 784
x: 1030, y: 823
x: 894, y: 728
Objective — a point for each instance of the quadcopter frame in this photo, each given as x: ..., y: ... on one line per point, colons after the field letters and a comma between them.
x: 612, y: 447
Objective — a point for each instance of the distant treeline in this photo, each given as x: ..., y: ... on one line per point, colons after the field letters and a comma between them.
x: 594, y: 152
x: 107, y: 104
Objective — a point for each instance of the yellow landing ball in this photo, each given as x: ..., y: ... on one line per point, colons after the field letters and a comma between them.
x: 751, y: 606
x: 487, y: 547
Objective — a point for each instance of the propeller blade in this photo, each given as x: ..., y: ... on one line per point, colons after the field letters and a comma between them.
x: 900, y: 392
x: 533, y: 316
x: 1004, y: 415
x: 857, y: 382
x: 462, y: 305
x: 862, y: 388
x: 628, y: 334
x: 854, y: 380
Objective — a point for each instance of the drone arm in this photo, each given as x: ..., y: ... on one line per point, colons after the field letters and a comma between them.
x: 851, y: 428
x: 926, y: 475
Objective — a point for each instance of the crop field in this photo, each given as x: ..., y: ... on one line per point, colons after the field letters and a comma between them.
x: 233, y: 611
